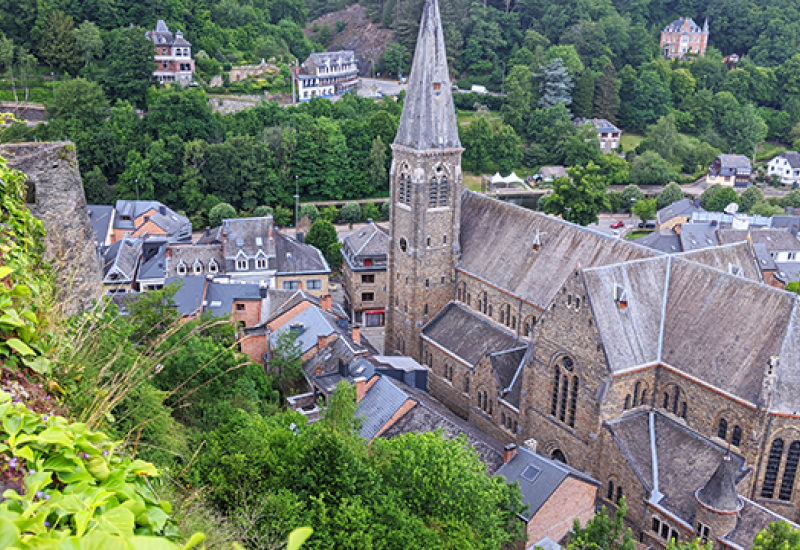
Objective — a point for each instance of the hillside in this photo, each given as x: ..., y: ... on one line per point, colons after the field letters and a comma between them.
x: 367, y: 39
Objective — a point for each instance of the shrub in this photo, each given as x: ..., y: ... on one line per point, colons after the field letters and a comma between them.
x: 351, y: 213
x: 370, y: 211
x: 220, y: 212
x: 309, y: 210
x: 386, y: 209
x: 263, y: 211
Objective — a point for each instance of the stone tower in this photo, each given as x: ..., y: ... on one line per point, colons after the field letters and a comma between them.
x: 425, y: 194
x: 718, y: 503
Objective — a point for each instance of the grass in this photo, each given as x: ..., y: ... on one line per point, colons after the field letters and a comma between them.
x: 631, y: 141
x: 637, y: 233
x: 472, y: 182
x: 766, y: 151
x: 465, y: 117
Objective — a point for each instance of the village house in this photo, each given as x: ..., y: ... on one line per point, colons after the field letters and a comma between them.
x: 787, y: 167
x: 609, y: 136
x: 640, y: 368
x: 325, y: 74
x: 364, y: 274
x: 683, y: 37
x: 730, y: 171
x: 173, y: 57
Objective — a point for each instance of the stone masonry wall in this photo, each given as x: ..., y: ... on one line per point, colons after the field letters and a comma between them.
x: 52, y: 170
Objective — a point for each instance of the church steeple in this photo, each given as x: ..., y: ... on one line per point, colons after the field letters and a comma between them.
x: 426, y: 195
x: 428, y: 120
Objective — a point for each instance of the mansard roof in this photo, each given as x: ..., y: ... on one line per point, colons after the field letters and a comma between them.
x: 295, y: 257
x: 428, y: 121
x: 249, y: 235
x: 533, y: 275
x: 467, y: 334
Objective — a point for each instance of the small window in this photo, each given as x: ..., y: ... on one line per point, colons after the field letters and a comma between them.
x: 437, y: 86
x: 240, y: 307
x: 368, y: 262
x: 197, y: 267
x: 261, y: 263
x: 368, y: 279
x: 367, y: 296
x: 291, y: 285
x: 403, y: 244
x: 213, y: 266
x: 241, y: 264
x: 181, y: 268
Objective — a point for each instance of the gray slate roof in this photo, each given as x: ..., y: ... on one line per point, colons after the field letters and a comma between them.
x: 793, y: 157
x: 309, y: 324
x: 467, y: 334
x: 189, y: 296
x: 132, y: 209
x: 382, y: 400
x: 296, y: 257
x: 428, y: 120
x: 695, y: 236
x: 600, y: 124
x: 101, y: 216
x: 683, y: 207
x: 719, y: 492
x: 249, y: 235
x: 371, y: 241
x: 155, y: 267
x: 663, y: 240
x: 676, y: 25
x: 189, y: 254
x: 774, y: 240
x: 121, y: 259
x: 728, y: 258
x: 533, y: 275
x: 220, y: 296
x: 538, y: 478
x: 508, y: 366
x: 162, y: 36
x: 738, y: 162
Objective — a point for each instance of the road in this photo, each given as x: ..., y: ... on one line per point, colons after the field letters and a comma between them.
x: 604, y: 225
x: 368, y: 87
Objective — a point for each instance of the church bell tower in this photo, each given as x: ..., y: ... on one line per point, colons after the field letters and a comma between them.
x: 425, y: 195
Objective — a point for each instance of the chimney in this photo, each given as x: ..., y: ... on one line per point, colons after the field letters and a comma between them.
x: 321, y: 341
x: 162, y: 210
x: 356, y: 333
x: 361, y: 387
x: 531, y: 445
x: 325, y: 302
x: 262, y: 289
x: 677, y: 229
x: 318, y: 371
x: 509, y: 452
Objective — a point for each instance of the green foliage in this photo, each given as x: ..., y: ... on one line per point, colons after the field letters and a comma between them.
x: 719, y: 199
x: 580, y: 197
x: 779, y: 535
x: 330, y: 213
x: 286, y: 363
x: 671, y: 193
x: 603, y: 531
x: 790, y: 199
x: 323, y: 236
x: 351, y: 213
x: 129, y: 62
x: 645, y: 209
x: 310, y: 211
x: 370, y: 211
x: 763, y: 208
x: 263, y: 211
x: 555, y: 85
x: 750, y: 197
x: 74, y: 486
x: 340, y: 414
x: 631, y: 194
x: 650, y: 168
x: 220, y: 212
x: 793, y: 286
x: 283, y: 216
x: 58, y: 47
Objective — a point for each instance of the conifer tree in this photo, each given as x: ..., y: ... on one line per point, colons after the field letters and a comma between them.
x: 583, y: 97
x: 606, y: 94
x: 555, y: 85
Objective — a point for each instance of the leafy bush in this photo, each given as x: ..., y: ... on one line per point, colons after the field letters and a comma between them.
x: 263, y: 211
x: 309, y: 210
x: 222, y: 211
x: 370, y: 212
x: 73, y: 489
x: 386, y: 209
x: 351, y: 213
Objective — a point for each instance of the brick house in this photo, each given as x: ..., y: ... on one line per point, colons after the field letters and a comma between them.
x: 681, y: 355
x: 682, y: 37
x: 173, y: 57
x: 364, y: 274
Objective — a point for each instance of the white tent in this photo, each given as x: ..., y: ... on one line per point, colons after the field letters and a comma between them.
x: 512, y: 178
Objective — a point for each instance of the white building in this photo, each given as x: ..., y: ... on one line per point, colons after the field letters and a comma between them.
x: 787, y: 167
x: 325, y: 74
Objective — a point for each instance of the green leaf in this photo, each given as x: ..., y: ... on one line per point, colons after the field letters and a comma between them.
x: 98, y: 540
x: 151, y: 543
x: 11, y: 319
x: 20, y: 347
x: 98, y: 467
x: 56, y: 436
x: 193, y: 541
x: 12, y: 424
x: 140, y: 467
x: 9, y: 534
x: 156, y: 517
x: 39, y: 365
x: 298, y: 537
x: 5, y: 271
x: 117, y: 520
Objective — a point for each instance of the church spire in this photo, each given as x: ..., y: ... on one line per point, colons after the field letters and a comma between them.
x: 428, y: 121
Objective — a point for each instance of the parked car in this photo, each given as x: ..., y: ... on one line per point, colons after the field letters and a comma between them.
x: 617, y: 224
x: 647, y: 225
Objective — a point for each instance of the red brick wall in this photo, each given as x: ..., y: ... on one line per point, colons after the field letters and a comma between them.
x: 573, y: 499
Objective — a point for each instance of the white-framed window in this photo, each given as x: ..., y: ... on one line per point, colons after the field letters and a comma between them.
x: 181, y: 268
x: 261, y: 263
x: 291, y: 285
x: 213, y: 266
x: 241, y: 264
x: 197, y: 267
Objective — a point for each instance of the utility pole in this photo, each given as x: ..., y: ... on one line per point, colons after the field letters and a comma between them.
x: 291, y: 76
x: 296, y: 203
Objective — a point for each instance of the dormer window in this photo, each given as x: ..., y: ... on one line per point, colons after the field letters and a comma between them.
x: 197, y: 267
x: 437, y: 87
x: 261, y: 263
x: 181, y: 268
x: 213, y: 266
x: 620, y: 297
x: 735, y: 270
x: 241, y: 264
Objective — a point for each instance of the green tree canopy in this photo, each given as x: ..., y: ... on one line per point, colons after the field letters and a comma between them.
x: 323, y: 235
x: 579, y: 198
x: 645, y: 209
x: 222, y: 211
x: 555, y: 85
x: 671, y: 193
x: 650, y: 169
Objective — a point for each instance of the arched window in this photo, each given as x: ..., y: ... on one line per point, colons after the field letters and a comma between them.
x: 666, y: 401
x: 610, y: 493
x: 675, y: 400
x: 636, y: 393
x: 627, y: 402
x: 573, y: 401
x: 562, y: 411
x: 683, y: 410
x: 771, y: 472
x: 489, y: 313
x: 402, y: 189
x: 619, y: 493
x: 643, y: 398
x: 444, y: 190
x: 197, y: 267
x: 480, y: 400
x: 181, y: 268
x: 722, y: 429
x: 558, y: 455
x: 790, y: 471
x: 736, y: 438
x: 466, y: 384
x: 213, y: 266
x: 503, y: 418
x: 483, y: 303
x: 556, y: 380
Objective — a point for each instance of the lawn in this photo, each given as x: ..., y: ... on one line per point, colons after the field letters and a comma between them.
x: 766, y: 151
x: 472, y: 182
x: 465, y: 117
x: 636, y: 233
x: 630, y: 141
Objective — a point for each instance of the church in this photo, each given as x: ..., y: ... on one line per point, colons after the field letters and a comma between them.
x: 672, y: 379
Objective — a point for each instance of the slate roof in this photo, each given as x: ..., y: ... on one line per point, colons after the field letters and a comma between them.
x: 310, y: 323
x: 296, y: 257
x: 695, y: 236
x: 764, y: 258
x: 752, y: 519
x: 553, y: 172
x: 172, y: 223
x: 371, y: 241
x: 220, y: 296
x: 792, y: 157
x: 774, y: 240
x: 132, y: 209
x: 508, y: 365
x: 683, y: 207
x: 535, y: 276
x: 121, y: 259
x: 188, y: 254
x: 189, y: 296
x: 738, y: 162
x: 163, y: 36
x: 429, y: 415
x: 428, y: 120
x: 663, y: 240
x: 728, y: 258
x: 719, y: 492
x: 677, y: 24
x: 686, y: 460
x: 467, y: 334
x: 101, y: 216
x: 155, y: 267
x: 538, y: 478
x: 379, y: 404
x: 248, y: 235
x: 211, y: 236
x: 600, y: 124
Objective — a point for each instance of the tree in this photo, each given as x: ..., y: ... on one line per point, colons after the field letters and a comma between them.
x: 650, y: 169
x: 78, y: 105
x: 351, y: 213
x: 263, y: 211
x: 370, y: 211
x: 580, y: 197
x: 793, y: 286
x: 477, y: 141
x: 662, y: 137
x: 95, y: 187
x: 583, y: 97
x: 330, y: 213
x: 606, y: 94
x: 790, y: 199
x: 57, y: 46
x: 519, y: 97
x: 555, y: 85
x: 721, y: 199
x: 744, y: 129
x: 569, y: 58
x: 88, y: 41
x: 507, y: 152
x: 645, y: 209
x: 7, y: 61
x: 129, y: 56
x: 340, y: 414
x: 582, y: 147
x: 750, y: 197
x: 378, y: 175
x: 603, y: 532
x: 309, y: 211
x: 222, y: 211
x: 765, y: 209
x: 778, y: 536
x: 152, y: 313
x: 323, y: 236
x: 671, y: 193
x: 286, y: 363
x: 631, y: 194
